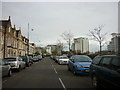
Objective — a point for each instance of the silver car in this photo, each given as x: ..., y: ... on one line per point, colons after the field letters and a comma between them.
x: 63, y: 60
x: 5, y: 69
x: 15, y: 63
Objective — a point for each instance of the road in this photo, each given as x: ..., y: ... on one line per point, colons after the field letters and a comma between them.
x: 46, y: 74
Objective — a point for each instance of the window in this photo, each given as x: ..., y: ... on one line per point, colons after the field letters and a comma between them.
x: 115, y: 64
x: 96, y: 60
x: 105, y: 61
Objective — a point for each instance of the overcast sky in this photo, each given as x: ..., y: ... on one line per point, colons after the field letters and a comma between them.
x: 50, y: 19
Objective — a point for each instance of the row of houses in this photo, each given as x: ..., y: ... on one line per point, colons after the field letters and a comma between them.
x: 12, y: 42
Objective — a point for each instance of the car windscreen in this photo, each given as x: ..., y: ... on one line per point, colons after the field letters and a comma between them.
x: 10, y: 59
x: 23, y: 57
x: 82, y: 59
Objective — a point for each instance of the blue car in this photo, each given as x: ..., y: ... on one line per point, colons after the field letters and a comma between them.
x: 79, y: 64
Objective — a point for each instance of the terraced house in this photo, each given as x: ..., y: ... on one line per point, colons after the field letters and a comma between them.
x: 12, y: 42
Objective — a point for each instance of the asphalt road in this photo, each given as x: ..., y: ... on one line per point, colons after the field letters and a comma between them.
x: 46, y: 74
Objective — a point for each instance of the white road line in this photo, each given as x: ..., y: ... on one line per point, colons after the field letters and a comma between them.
x: 52, y: 64
x: 62, y: 83
x: 54, y: 68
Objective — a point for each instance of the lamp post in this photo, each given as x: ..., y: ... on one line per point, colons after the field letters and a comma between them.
x: 28, y: 41
x: 28, y: 38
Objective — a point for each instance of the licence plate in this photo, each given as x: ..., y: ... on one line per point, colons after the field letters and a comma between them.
x: 86, y: 70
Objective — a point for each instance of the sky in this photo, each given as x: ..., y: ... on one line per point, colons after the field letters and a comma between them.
x: 50, y: 19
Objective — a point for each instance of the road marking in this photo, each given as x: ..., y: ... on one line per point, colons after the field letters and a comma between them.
x: 54, y: 68
x: 59, y: 78
x: 62, y: 83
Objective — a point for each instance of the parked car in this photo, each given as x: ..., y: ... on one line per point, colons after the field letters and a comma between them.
x: 31, y: 59
x: 79, y: 64
x: 5, y: 69
x: 105, y: 71
x: 39, y: 57
x: 63, y: 60
x: 56, y: 59
x: 53, y: 57
x: 26, y: 59
x: 15, y: 63
x: 35, y: 59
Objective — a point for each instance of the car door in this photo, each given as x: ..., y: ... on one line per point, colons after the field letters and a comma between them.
x: 20, y: 62
x: 104, y: 70
x: 115, y: 72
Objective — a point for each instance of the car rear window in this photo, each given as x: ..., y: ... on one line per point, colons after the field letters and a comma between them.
x: 63, y: 57
x: 116, y: 63
x: 105, y: 62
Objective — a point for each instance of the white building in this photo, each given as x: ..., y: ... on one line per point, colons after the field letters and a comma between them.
x: 50, y: 49
x: 80, y: 45
x: 114, y: 44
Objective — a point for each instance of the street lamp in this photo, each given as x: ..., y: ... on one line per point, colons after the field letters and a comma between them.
x: 28, y: 38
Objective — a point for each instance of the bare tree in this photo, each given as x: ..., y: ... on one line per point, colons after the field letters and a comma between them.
x: 98, y: 36
x: 67, y: 36
x: 59, y: 46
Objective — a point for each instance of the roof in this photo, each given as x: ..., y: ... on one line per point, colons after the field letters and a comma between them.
x: 4, y: 23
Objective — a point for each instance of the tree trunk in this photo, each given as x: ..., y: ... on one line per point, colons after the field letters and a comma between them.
x: 100, y: 48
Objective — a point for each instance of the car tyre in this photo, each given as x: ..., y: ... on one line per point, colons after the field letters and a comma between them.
x: 24, y: 67
x: 69, y: 68
x: 74, y: 72
x: 18, y: 69
x: 60, y: 63
x: 10, y: 73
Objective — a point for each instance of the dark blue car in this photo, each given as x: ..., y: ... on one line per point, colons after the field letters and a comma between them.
x: 79, y: 64
x: 105, y: 71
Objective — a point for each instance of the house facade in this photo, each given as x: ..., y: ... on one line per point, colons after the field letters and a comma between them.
x: 12, y: 42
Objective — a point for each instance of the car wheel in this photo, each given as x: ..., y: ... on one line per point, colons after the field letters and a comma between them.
x: 74, y: 72
x: 10, y: 73
x: 18, y: 69
x: 69, y: 69
x: 24, y: 67
x: 95, y: 82
x: 60, y: 63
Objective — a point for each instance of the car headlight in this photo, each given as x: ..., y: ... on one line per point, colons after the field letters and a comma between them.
x: 79, y: 66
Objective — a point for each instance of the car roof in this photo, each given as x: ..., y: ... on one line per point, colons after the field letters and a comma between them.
x: 12, y: 57
x: 79, y: 55
x: 108, y: 56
